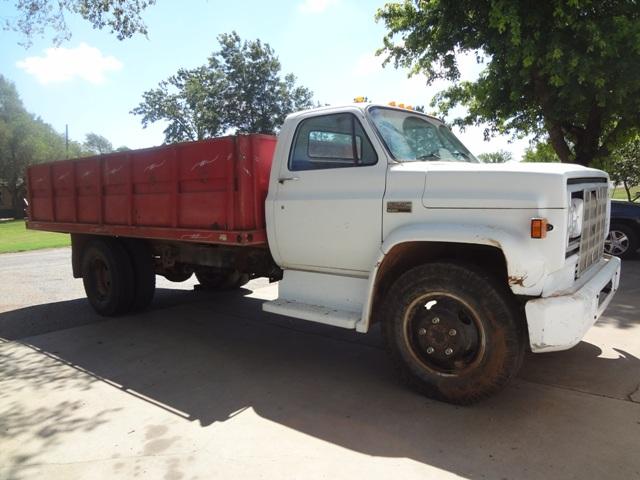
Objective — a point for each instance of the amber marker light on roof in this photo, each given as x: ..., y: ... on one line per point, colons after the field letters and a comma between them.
x: 539, y: 227
x: 360, y: 100
x: 392, y: 104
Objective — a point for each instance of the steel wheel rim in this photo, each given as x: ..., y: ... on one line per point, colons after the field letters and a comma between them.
x: 616, y: 243
x: 449, y: 346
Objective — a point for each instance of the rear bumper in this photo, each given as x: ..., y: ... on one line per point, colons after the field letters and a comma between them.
x: 559, y: 321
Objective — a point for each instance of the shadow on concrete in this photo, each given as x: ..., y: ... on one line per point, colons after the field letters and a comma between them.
x: 205, y: 357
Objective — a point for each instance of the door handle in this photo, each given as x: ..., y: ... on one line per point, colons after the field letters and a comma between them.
x: 281, y: 180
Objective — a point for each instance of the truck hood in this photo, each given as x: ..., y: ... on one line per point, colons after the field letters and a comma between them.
x: 505, y: 186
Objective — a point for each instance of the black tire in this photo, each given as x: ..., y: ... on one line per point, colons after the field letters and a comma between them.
x: 453, y: 332
x: 212, y: 279
x: 108, y: 278
x: 143, y: 271
x: 621, y: 241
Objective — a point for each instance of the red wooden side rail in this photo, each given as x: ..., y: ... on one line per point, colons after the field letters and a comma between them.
x: 210, y: 191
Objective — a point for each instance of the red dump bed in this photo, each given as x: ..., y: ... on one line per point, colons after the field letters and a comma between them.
x: 210, y: 191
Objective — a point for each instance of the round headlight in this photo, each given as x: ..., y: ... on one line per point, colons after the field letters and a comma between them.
x: 574, y: 226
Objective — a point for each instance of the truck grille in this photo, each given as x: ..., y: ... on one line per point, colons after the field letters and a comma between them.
x: 593, y: 227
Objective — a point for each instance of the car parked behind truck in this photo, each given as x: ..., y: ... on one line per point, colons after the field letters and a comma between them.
x: 366, y: 214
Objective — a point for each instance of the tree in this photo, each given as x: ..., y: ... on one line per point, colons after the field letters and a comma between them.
x: 624, y: 167
x: 97, y: 144
x: 501, y: 156
x: 570, y: 69
x: 191, y: 101
x: 239, y: 88
x: 122, y: 17
x: 257, y: 99
x: 540, y: 152
x: 24, y: 140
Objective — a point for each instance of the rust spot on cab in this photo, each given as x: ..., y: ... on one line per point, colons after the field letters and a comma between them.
x: 517, y: 280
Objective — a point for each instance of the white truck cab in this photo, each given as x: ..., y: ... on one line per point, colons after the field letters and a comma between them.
x: 379, y: 214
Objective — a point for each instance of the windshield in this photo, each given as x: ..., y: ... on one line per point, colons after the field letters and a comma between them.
x: 410, y: 137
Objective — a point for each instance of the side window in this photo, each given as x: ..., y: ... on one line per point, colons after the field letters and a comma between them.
x: 331, y: 141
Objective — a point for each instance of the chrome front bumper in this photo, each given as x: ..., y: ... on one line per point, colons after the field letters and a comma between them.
x: 559, y: 321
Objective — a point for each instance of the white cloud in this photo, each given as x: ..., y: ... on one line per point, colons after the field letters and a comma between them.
x: 65, y: 64
x: 316, y: 6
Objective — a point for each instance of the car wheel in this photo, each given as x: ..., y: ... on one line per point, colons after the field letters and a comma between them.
x: 622, y: 241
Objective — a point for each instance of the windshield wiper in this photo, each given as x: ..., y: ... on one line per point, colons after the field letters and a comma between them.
x: 456, y: 152
x: 429, y: 156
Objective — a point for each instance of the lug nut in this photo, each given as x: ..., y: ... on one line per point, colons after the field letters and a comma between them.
x: 435, y: 320
x: 429, y: 350
x: 448, y: 351
x: 422, y: 331
x: 452, y: 333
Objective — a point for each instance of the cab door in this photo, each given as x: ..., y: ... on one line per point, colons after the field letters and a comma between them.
x: 328, y: 207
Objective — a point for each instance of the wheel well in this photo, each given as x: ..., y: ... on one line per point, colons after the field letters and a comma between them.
x: 404, y: 256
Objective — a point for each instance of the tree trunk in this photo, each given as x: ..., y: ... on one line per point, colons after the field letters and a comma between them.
x: 18, y: 204
x: 559, y: 144
x: 628, y: 190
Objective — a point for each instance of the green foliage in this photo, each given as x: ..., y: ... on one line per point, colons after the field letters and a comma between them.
x: 239, y: 88
x: 540, y: 152
x: 256, y: 97
x: 501, y: 156
x: 122, y: 17
x: 570, y: 69
x: 191, y: 101
x: 624, y: 168
x: 24, y: 140
x: 97, y: 144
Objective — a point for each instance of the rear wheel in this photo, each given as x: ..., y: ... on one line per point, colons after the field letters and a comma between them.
x: 453, y: 333
x: 213, y: 279
x: 108, y: 278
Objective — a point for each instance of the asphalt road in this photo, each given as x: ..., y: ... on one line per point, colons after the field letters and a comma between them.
x: 205, y: 385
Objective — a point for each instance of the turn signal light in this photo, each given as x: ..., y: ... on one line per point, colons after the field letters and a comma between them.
x: 539, y: 227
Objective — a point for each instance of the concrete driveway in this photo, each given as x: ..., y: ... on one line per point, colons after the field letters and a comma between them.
x: 205, y: 385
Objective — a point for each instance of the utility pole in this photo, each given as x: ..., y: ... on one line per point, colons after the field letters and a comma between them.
x: 66, y: 138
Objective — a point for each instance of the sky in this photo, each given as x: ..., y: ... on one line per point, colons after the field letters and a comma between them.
x: 93, y: 81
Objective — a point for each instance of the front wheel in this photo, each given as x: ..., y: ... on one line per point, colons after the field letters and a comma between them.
x: 452, y: 332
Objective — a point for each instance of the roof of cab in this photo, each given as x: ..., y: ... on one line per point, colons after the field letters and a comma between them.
x: 362, y: 106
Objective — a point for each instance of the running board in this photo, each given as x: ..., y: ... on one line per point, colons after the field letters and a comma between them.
x: 313, y: 313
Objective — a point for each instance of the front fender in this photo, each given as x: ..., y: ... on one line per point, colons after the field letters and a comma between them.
x: 525, y: 268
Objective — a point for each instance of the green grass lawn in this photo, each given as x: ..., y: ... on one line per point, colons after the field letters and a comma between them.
x: 14, y: 237
x: 620, y: 194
